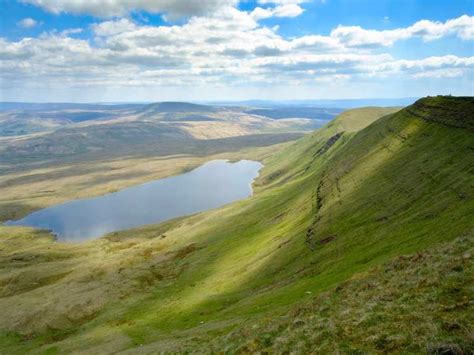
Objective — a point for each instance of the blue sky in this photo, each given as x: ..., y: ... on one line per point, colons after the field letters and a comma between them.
x: 82, y: 50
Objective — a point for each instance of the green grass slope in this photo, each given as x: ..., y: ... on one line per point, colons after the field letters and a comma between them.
x: 417, y: 303
x: 356, y: 119
x: 334, y: 204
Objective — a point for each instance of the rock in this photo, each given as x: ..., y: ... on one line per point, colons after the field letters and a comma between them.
x: 327, y: 239
x: 329, y: 143
x: 445, y: 349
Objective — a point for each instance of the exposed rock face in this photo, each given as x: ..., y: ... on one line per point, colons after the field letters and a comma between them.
x: 330, y: 142
x: 450, y: 111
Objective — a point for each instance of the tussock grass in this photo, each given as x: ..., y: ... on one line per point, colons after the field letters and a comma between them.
x: 414, y: 303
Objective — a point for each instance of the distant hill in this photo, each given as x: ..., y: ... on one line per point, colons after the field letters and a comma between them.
x: 358, y: 118
x: 162, y: 107
x: 314, y: 113
x: 27, y: 106
x: 340, y: 103
x: 358, y: 240
x: 67, y: 129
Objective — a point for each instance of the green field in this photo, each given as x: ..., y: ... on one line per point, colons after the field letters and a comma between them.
x: 312, y: 262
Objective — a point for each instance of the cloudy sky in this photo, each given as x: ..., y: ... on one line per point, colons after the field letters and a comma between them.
x: 152, y: 50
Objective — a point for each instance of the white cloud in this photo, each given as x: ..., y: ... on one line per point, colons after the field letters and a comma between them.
x: 462, y: 27
x: 355, y: 36
x: 227, y: 48
x: 286, y: 10
x: 441, y: 73
x: 27, y: 23
x: 317, y: 43
x: 111, y: 28
x: 261, y: 13
x: 430, y: 63
x: 110, y: 8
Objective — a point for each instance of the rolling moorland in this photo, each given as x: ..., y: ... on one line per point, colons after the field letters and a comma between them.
x: 358, y: 238
x: 52, y: 153
x: 40, y: 132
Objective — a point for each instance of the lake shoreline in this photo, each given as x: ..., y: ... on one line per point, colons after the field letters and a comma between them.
x: 95, y: 217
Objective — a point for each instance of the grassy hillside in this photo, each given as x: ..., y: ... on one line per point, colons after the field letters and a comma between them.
x: 327, y: 209
x: 33, y: 131
x: 416, y: 303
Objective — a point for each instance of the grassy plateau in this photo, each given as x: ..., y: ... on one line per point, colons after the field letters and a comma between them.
x: 358, y: 239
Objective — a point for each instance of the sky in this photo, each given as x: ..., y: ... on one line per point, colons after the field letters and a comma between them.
x: 221, y: 50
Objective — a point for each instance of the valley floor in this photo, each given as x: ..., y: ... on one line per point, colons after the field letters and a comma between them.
x: 25, y: 188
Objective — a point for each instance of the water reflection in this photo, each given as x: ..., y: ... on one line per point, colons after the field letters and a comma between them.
x: 211, y: 185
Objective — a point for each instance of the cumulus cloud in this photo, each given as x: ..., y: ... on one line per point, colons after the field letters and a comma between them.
x: 228, y: 47
x: 462, y: 27
x: 111, y: 28
x: 111, y: 8
x: 317, y: 43
x: 289, y: 10
x: 356, y: 36
x: 440, y: 73
x: 27, y: 23
x: 286, y: 10
x: 430, y: 63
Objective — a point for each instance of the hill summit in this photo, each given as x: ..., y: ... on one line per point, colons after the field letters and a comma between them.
x: 171, y: 106
x: 449, y: 110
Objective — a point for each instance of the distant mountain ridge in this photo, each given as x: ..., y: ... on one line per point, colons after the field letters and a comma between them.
x: 205, y: 105
x: 175, y: 106
x: 31, y: 106
x: 326, y: 103
x: 201, y: 121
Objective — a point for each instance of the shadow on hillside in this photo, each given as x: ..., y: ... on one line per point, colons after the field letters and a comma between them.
x: 254, y: 257
x: 350, y: 252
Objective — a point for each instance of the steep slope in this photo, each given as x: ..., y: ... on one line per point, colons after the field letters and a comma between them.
x: 356, y: 119
x: 335, y: 203
x: 448, y: 110
x: 373, y: 312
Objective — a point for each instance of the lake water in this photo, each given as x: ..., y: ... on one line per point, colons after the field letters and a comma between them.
x: 211, y: 185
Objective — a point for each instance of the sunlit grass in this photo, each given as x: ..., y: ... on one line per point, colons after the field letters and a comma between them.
x: 395, y: 187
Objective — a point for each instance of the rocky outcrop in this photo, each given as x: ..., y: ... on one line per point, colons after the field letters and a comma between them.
x: 447, y: 110
x: 329, y: 143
